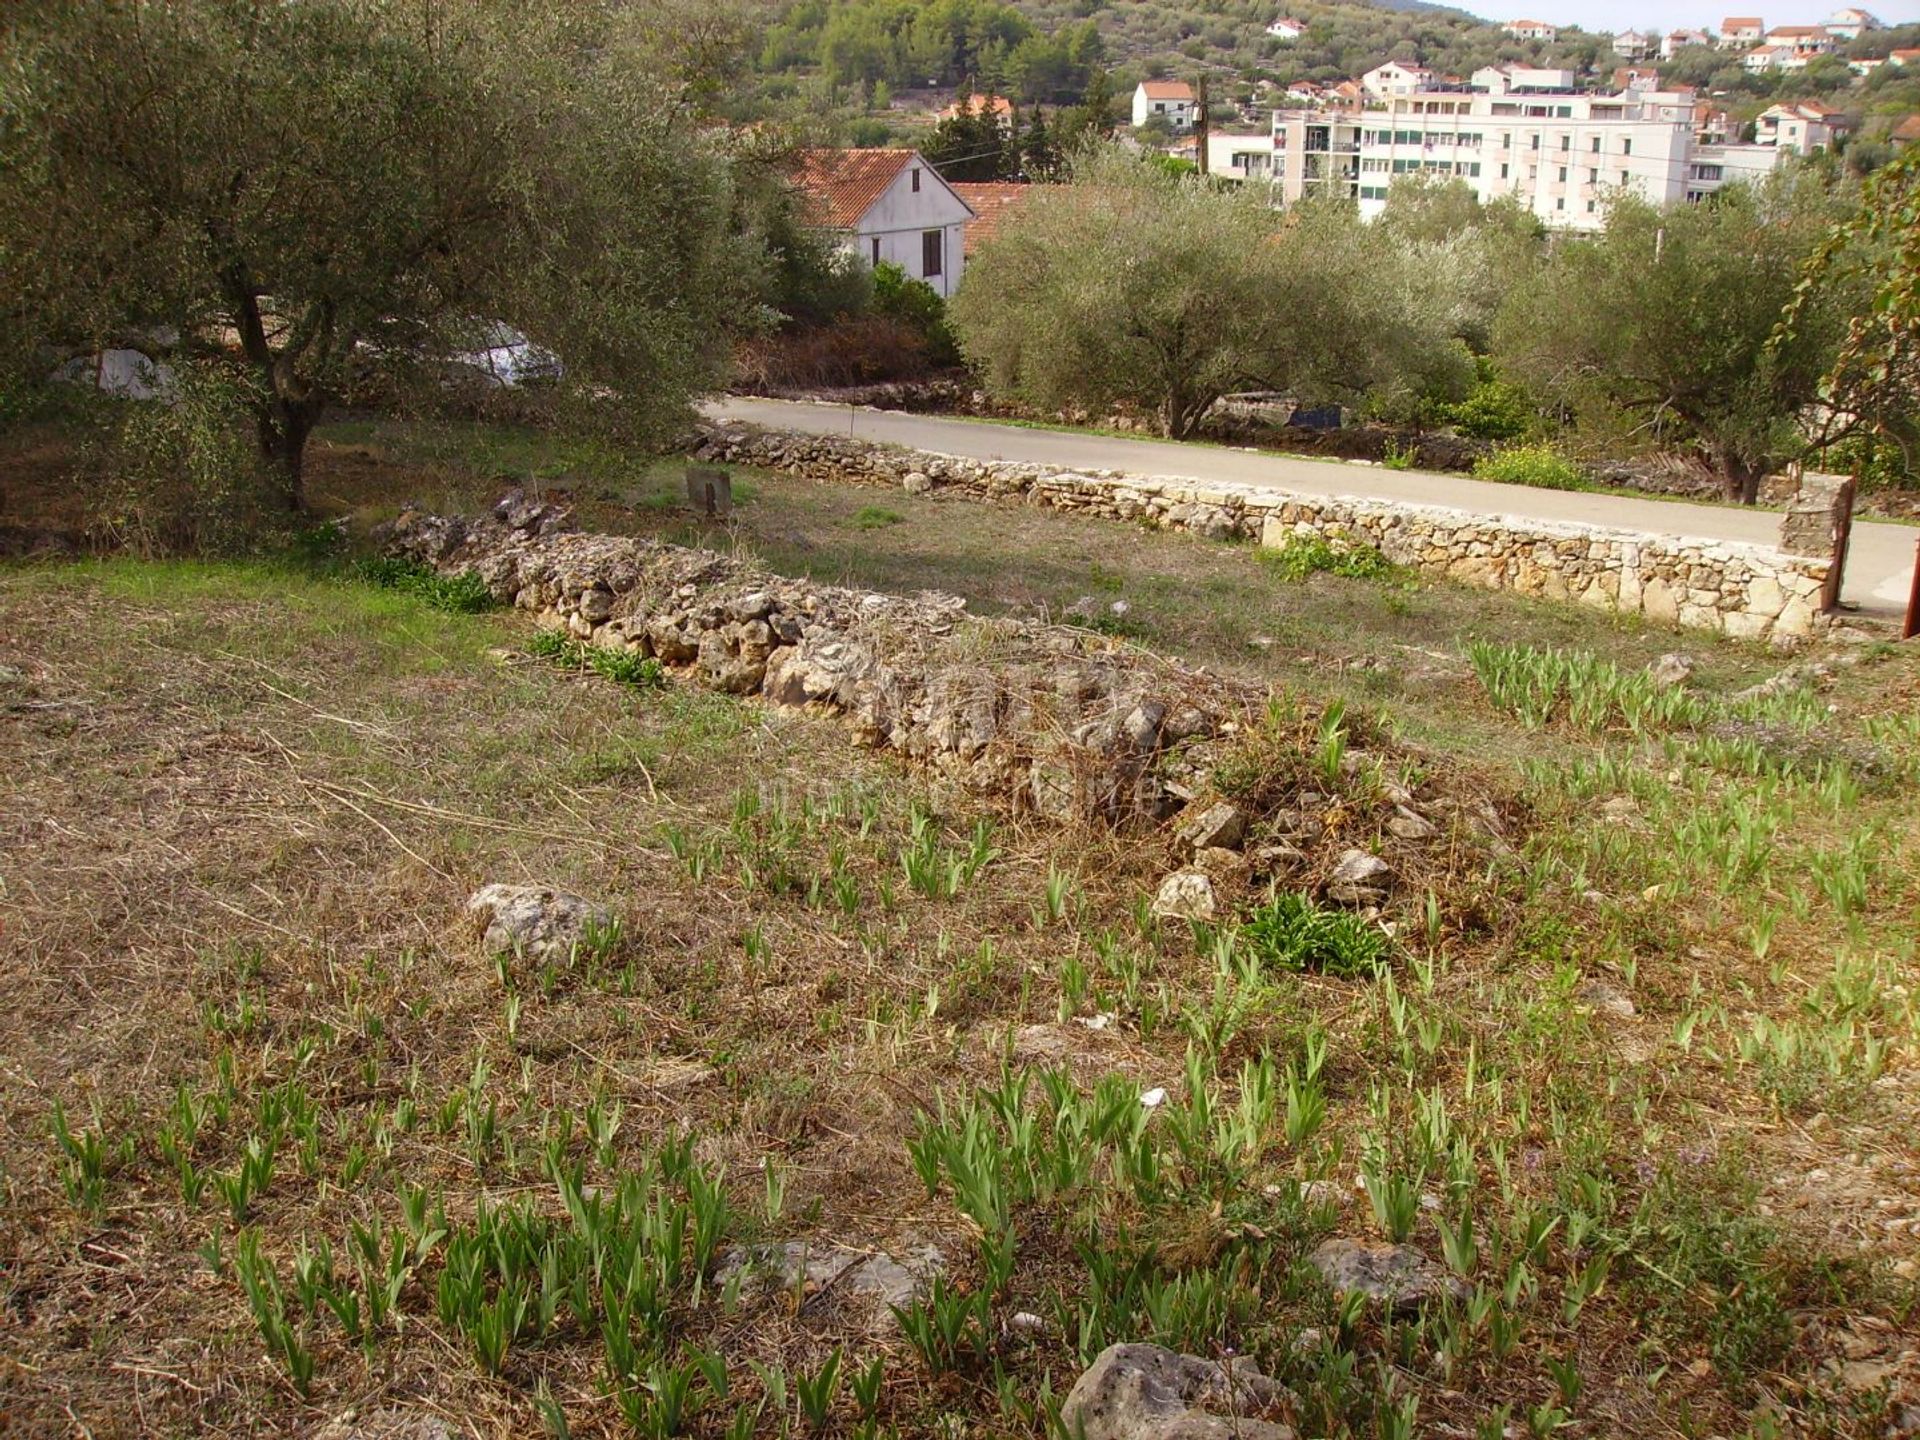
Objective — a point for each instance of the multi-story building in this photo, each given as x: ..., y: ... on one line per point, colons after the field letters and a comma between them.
x: 1504, y: 79
x: 1562, y: 155
x: 1807, y: 40
x: 1170, y: 100
x: 1676, y: 40
x: 1851, y: 23
x: 1803, y: 126
x: 1531, y: 30
x: 1632, y: 44
x: 1742, y: 32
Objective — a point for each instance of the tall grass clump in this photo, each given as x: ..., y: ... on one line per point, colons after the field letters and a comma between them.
x: 1541, y: 466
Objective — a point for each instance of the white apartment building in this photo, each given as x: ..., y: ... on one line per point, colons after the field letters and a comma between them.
x: 1561, y: 155
x: 1850, y: 23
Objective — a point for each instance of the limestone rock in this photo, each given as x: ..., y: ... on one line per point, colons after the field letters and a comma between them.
x: 879, y: 1280
x: 1599, y: 995
x: 1218, y: 827
x: 1147, y: 1392
x: 916, y: 482
x: 1358, y: 877
x: 1186, y: 895
x: 1410, y: 824
x: 536, y: 921
x: 1671, y: 669
x: 1400, y: 1276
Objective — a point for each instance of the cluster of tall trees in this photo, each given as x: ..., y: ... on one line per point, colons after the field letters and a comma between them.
x: 903, y: 43
x: 1718, y: 330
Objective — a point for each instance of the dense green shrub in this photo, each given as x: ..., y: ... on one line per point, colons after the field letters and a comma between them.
x: 1493, y: 410
x: 1294, y: 933
x: 1335, y: 554
x: 918, y: 306
x: 1538, y: 465
x: 463, y: 594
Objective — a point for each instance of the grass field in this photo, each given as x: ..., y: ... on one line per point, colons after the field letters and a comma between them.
x: 280, y: 1141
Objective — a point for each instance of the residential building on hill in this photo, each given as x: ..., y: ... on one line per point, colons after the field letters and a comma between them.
x: 1562, y: 155
x: 997, y: 106
x: 1511, y: 79
x: 1169, y: 100
x: 1396, y: 77
x: 1287, y: 28
x: 1632, y: 44
x: 1677, y: 40
x: 1905, y: 59
x: 1802, y: 127
x: 1742, y: 32
x: 1807, y: 40
x: 1531, y: 30
x: 888, y: 205
x: 1852, y: 23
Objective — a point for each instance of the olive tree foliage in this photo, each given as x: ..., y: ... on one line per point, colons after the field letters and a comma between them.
x: 1872, y: 384
x: 1133, y: 285
x: 334, y: 197
x: 1656, y: 330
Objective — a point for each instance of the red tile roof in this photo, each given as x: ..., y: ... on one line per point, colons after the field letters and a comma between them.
x: 844, y: 184
x: 990, y: 201
x: 980, y: 104
x: 1741, y: 22
x: 1908, y: 129
x: 1167, y: 89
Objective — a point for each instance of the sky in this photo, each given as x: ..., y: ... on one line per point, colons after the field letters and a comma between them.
x: 1679, y: 14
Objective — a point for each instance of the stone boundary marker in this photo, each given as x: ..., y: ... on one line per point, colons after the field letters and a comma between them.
x: 1746, y: 592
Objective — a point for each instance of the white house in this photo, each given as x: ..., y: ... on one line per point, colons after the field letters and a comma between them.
x: 1395, y: 78
x: 1675, y: 40
x: 1169, y: 100
x: 1769, y: 57
x: 1287, y: 28
x: 1803, y: 127
x: 1508, y: 79
x: 1531, y: 30
x: 1904, y: 58
x: 1808, y: 40
x: 1851, y: 23
x: 1742, y: 32
x: 1632, y: 44
x: 889, y: 205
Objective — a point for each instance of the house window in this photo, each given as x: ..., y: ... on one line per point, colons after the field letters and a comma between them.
x: 1593, y: 177
x: 1566, y: 142
x: 1563, y: 174
x: 1503, y: 172
x: 932, y: 248
x: 1589, y: 207
x: 1559, y: 204
x: 1626, y: 146
x: 1623, y: 177
x: 916, y: 182
x: 1596, y: 144
x: 876, y: 249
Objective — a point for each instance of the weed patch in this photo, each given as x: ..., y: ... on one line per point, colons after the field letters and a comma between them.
x: 462, y: 594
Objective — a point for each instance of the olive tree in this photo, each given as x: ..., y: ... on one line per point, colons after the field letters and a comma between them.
x: 1656, y: 330
x: 1134, y: 285
x: 323, y: 197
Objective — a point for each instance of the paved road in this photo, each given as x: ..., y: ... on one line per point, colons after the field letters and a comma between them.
x: 1879, y: 572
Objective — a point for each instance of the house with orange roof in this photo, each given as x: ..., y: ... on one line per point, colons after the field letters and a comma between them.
x: 1532, y: 30
x: 1907, y: 131
x: 891, y: 206
x: 1742, y: 32
x: 1170, y: 100
x: 991, y: 202
x: 1802, y: 126
x: 1904, y: 58
x: 997, y: 106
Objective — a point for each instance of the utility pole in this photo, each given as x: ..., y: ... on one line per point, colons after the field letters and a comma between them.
x: 1200, y: 124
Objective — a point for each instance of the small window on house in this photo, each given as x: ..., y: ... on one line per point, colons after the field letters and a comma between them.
x: 1593, y: 177
x: 1623, y: 177
x: 1596, y: 144
x: 1536, y: 142
x: 916, y: 182
x: 1566, y: 142
x: 1626, y: 146
x: 932, y: 249
x: 1589, y: 207
x: 1503, y: 172
x: 876, y: 249
x: 1559, y: 204
x: 1563, y: 174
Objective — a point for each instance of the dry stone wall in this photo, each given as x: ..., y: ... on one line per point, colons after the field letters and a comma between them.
x: 1066, y: 722
x: 1744, y: 591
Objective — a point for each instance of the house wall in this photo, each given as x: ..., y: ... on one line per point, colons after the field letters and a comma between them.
x: 899, y: 219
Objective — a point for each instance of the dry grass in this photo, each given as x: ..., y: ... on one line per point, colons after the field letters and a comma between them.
x: 242, y: 806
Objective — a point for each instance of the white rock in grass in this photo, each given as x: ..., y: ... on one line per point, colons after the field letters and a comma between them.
x: 1399, y: 1276
x: 1358, y: 877
x: 1146, y: 1392
x: 1670, y: 670
x: 1221, y: 827
x: 536, y: 921
x: 1153, y: 1099
x: 1185, y: 895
